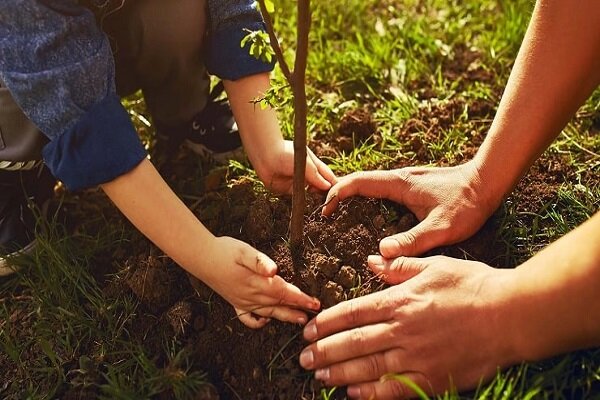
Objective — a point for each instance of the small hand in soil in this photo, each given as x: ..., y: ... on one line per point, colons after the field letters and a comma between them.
x: 279, y: 177
x: 247, y: 279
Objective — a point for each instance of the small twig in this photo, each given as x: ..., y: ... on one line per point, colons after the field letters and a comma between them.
x: 16, y: 298
x: 275, y: 43
x: 579, y: 146
x: 233, y: 390
x: 290, y: 340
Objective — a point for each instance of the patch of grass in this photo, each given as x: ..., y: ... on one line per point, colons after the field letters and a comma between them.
x: 61, y: 334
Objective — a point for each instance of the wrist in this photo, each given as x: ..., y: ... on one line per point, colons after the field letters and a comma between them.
x: 488, y: 194
x: 504, y: 322
x: 267, y: 160
x: 500, y: 173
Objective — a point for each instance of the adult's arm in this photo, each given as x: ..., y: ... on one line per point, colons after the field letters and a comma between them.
x: 450, y: 324
x: 555, y: 71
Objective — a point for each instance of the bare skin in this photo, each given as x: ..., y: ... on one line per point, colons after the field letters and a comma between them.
x: 398, y: 330
x: 245, y: 277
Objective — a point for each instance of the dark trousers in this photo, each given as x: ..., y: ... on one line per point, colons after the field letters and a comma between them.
x: 157, y: 46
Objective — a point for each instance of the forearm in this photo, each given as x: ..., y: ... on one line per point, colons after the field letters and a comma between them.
x: 556, y: 303
x: 556, y: 70
x: 148, y: 202
x: 259, y: 128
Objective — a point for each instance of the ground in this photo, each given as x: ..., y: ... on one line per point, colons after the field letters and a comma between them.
x: 99, y: 312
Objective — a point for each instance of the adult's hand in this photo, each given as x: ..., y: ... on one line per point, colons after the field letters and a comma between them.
x: 439, y: 326
x: 451, y: 203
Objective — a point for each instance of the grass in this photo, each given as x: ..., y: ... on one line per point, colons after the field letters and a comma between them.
x: 61, y: 333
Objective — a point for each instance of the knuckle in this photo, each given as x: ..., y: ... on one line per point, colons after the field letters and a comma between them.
x: 281, y: 296
x: 399, y: 264
x: 397, y: 390
x: 357, y: 337
x: 410, y: 241
x: 352, y: 314
x: 373, y: 366
x: 268, y: 312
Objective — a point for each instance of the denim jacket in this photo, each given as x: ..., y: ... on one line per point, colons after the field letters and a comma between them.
x: 59, y: 67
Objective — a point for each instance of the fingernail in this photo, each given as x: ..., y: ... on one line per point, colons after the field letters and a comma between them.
x: 353, y: 391
x: 301, y: 320
x: 316, y: 303
x: 375, y: 261
x: 307, y: 358
x: 310, y: 331
x: 389, y: 242
x: 322, y: 374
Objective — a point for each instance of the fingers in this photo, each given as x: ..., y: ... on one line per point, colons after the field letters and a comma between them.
x: 280, y: 300
x: 321, y: 176
x: 400, y: 386
x: 256, y: 261
x: 378, y: 184
x: 428, y: 234
x: 370, y: 309
x: 251, y: 320
x: 396, y: 270
x: 370, y: 367
x: 351, y: 344
x: 282, y: 313
x: 277, y: 291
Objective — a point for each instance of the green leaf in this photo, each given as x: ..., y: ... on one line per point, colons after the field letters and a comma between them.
x: 269, y: 6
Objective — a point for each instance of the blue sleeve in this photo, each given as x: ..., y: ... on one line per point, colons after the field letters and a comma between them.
x: 229, y: 22
x: 59, y: 68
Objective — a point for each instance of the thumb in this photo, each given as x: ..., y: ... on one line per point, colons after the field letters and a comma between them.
x: 421, y: 238
x: 396, y: 270
x: 313, y: 176
x: 324, y: 174
x: 256, y: 261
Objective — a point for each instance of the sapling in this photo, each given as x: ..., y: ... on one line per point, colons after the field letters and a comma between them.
x: 296, y: 79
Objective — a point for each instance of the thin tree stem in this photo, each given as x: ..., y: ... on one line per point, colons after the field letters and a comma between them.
x: 275, y: 43
x: 300, y: 113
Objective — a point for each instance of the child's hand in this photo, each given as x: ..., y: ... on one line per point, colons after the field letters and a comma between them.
x: 247, y: 279
x: 278, y: 176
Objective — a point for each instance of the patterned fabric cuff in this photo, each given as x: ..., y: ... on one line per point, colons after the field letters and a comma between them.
x: 101, y: 146
x: 226, y: 58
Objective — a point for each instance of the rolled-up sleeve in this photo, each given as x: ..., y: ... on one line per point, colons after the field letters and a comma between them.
x: 59, y: 68
x: 230, y: 21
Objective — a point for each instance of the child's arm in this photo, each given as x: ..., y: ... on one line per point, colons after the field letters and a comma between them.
x: 270, y: 155
x: 245, y: 277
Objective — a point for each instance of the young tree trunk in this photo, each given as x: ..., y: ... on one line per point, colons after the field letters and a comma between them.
x: 296, y: 79
x: 300, y: 113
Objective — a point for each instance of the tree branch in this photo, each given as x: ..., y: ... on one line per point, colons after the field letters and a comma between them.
x: 275, y: 43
